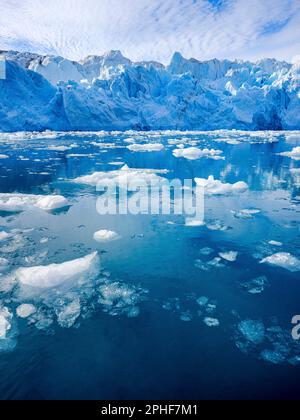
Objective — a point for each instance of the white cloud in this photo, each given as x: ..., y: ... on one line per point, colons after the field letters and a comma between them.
x: 153, y: 29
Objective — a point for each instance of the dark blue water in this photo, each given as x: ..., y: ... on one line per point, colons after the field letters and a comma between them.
x: 166, y: 350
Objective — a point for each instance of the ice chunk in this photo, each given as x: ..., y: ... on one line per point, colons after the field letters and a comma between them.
x: 22, y: 202
x: 294, y: 154
x: 202, y: 301
x: 206, y: 251
x: 152, y: 147
x: 122, y: 177
x: 215, y: 187
x: 5, y: 322
x: 275, y: 243
x: 4, y: 157
x: 106, y: 236
x: 45, y: 277
x: 230, y: 256
x: 4, y: 236
x: 246, y: 213
x: 253, y: 331
x: 191, y: 222
x: 273, y: 356
x: 68, y: 313
x: 283, y: 260
x: 186, y: 316
x: 211, y: 322
x: 25, y: 310
x: 193, y: 153
x: 256, y: 286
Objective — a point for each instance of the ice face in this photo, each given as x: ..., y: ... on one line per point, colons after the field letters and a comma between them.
x: 54, y: 275
x: 215, y: 187
x: 283, y: 260
x: 21, y: 202
x: 106, y: 236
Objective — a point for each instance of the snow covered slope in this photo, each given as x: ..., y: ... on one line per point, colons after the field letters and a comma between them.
x: 111, y: 92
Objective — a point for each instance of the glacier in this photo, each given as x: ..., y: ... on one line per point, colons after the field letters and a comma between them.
x: 110, y: 92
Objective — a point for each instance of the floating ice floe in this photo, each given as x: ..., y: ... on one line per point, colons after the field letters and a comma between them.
x: 230, y: 256
x: 245, y: 213
x: 191, y: 222
x: 152, y: 147
x: 215, y: 187
x: 4, y: 157
x: 256, y: 286
x: 275, y: 243
x: 5, y: 322
x: 122, y: 177
x: 60, y: 148
x: 283, y: 260
x: 21, y: 202
x: 211, y: 322
x: 294, y: 154
x: 193, y: 153
x: 121, y: 299
x: 106, y: 236
x: 206, y: 251
x: 25, y: 310
x: 54, y: 275
x: 253, y: 331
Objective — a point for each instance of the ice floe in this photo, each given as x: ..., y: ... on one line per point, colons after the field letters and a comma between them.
x: 25, y: 310
x: 294, y: 154
x: 51, y: 276
x: 230, y: 256
x: 256, y: 286
x: 283, y: 260
x: 193, y: 153
x: 4, y: 157
x: 122, y: 177
x: 211, y: 322
x: 152, y: 147
x: 245, y: 213
x: 106, y: 236
x: 215, y: 187
x: 21, y: 202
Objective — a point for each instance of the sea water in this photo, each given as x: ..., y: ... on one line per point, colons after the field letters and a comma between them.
x: 167, y: 309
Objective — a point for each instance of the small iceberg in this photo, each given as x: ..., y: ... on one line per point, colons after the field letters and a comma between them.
x: 283, y: 260
x: 154, y: 147
x: 25, y: 310
x: 54, y: 275
x: 215, y: 187
x: 106, y: 236
x: 193, y: 153
x: 14, y: 203
x: 230, y: 256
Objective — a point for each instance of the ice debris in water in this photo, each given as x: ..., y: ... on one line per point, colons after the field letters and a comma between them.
x: 283, y: 260
x: 275, y: 243
x: 152, y: 147
x: 193, y: 153
x: 68, y: 310
x: 211, y: 322
x: 256, y: 286
x: 21, y: 202
x: 245, y: 213
x: 215, y: 187
x: 7, y: 331
x: 253, y: 331
x: 206, y: 251
x: 294, y: 154
x: 121, y: 299
x: 122, y: 177
x: 106, y: 236
x: 35, y: 279
x: 25, y: 310
x: 230, y: 256
x: 271, y: 344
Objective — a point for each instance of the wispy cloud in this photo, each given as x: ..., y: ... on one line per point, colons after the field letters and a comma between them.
x: 153, y: 29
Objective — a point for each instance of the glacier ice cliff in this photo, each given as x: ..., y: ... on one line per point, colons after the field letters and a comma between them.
x: 111, y: 92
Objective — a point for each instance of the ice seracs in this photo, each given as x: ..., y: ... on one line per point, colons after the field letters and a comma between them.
x: 216, y: 187
x: 283, y: 260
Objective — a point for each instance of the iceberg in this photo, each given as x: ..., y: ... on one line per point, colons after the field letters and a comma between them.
x: 55, y: 275
x: 106, y: 236
x: 12, y: 203
x: 283, y: 260
x: 215, y: 187
x: 193, y: 153
x: 154, y: 147
x: 25, y: 310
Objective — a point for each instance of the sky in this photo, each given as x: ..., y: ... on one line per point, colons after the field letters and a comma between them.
x: 153, y: 29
